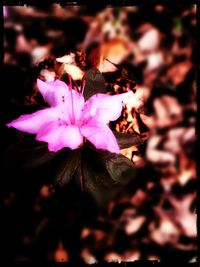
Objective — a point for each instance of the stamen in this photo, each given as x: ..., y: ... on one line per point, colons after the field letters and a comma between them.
x: 72, y: 101
x: 83, y: 86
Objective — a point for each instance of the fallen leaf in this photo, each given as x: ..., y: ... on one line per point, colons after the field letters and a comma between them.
x: 75, y: 72
x: 67, y: 59
x: 134, y: 225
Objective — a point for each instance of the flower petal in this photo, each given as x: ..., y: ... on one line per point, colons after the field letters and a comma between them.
x: 57, y: 93
x: 105, y: 108
x: 59, y: 136
x: 33, y: 123
x: 54, y: 93
x: 100, y: 136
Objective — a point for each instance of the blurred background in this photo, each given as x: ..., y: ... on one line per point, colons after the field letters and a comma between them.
x: 151, y: 52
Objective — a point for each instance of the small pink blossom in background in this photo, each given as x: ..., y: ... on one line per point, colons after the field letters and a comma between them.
x: 5, y: 11
x: 70, y: 119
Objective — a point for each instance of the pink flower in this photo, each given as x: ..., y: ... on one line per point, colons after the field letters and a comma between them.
x: 70, y: 119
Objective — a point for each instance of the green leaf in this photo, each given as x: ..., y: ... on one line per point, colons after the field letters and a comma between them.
x: 120, y: 168
x: 102, y: 173
x: 94, y: 83
x: 68, y: 166
x: 94, y: 178
x: 28, y: 155
x: 126, y: 140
